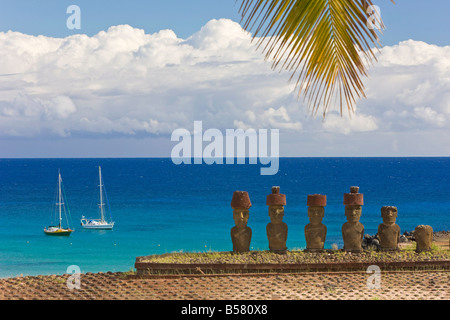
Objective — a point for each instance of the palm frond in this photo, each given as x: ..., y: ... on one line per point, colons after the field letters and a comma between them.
x: 326, y: 42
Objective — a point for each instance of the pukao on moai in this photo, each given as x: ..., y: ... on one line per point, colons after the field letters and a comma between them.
x: 424, y: 237
x: 315, y: 231
x: 353, y: 230
x: 276, y: 229
x: 389, y: 231
x: 241, y: 234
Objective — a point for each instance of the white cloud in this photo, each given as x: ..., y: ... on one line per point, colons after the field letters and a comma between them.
x: 346, y: 125
x: 28, y: 116
x: 409, y: 87
x: 124, y: 82
x: 414, y: 53
x: 430, y: 116
x: 128, y: 82
x: 269, y: 118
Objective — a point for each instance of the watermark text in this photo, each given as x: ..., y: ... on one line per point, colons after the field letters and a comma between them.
x: 236, y: 146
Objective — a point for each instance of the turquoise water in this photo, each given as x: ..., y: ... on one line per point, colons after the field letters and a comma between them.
x: 159, y: 207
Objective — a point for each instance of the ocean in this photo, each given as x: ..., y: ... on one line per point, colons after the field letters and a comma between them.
x: 160, y: 207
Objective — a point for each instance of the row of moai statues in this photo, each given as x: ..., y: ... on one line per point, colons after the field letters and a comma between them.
x: 316, y: 231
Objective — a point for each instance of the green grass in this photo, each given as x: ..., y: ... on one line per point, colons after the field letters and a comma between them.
x: 297, y: 256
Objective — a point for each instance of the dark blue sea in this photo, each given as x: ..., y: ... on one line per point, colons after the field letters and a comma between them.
x: 160, y: 207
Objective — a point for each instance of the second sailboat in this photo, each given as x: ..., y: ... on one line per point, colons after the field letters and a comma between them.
x: 102, y: 223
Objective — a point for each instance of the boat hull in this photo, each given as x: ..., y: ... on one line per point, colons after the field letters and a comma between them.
x: 59, y: 232
x: 99, y: 227
x: 96, y: 225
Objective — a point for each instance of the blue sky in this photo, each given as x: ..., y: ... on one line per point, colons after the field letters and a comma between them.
x: 137, y: 70
x: 48, y: 17
x: 408, y: 19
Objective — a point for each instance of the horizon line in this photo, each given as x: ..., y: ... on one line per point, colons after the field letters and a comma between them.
x: 163, y: 157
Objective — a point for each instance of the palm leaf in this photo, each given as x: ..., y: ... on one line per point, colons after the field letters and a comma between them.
x: 326, y: 42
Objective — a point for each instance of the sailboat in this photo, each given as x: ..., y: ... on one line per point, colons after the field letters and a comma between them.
x: 59, y: 230
x: 98, y: 224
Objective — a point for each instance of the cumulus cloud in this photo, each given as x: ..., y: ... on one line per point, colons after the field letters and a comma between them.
x: 126, y: 81
x: 430, y: 116
x: 409, y: 87
x: 123, y: 81
x: 346, y: 125
x: 24, y: 115
x: 270, y: 118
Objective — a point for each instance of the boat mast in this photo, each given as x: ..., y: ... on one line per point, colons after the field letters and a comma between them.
x: 60, y: 199
x: 101, y: 197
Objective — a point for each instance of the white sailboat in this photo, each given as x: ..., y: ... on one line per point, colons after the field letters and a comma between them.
x: 98, y: 224
x: 59, y: 230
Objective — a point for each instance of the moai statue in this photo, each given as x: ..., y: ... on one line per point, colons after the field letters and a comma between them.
x: 353, y: 230
x: 389, y: 231
x: 424, y: 238
x: 276, y: 229
x: 241, y: 234
x: 315, y: 231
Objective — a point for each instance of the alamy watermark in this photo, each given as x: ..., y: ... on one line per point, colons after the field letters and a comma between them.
x: 374, y: 281
x: 74, y: 281
x: 232, y: 146
x: 74, y: 20
x: 374, y: 20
